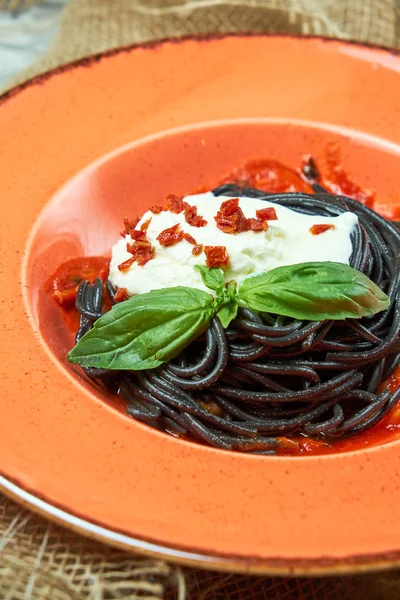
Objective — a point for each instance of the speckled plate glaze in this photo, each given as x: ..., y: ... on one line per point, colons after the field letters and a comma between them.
x: 88, y: 143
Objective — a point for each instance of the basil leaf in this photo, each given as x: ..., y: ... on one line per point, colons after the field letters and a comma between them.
x: 227, y: 313
x: 313, y: 291
x: 212, y: 278
x: 146, y: 330
x: 232, y: 289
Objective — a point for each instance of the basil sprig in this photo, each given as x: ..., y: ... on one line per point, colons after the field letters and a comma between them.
x: 150, y: 329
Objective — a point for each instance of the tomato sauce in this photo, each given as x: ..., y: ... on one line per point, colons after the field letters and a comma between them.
x: 274, y: 177
x: 63, y: 284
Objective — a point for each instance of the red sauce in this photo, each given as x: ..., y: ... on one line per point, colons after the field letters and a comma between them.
x: 337, y: 181
x: 385, y: 431
x: 275, y: 177
x: 270, y: 176
x: 64, y: 283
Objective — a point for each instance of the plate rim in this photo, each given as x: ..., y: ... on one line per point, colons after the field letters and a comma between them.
x: 97, y: 56
x: 361, y: 563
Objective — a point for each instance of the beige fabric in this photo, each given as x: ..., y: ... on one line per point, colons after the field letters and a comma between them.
x: 39, y: 560
x: 91, y: 26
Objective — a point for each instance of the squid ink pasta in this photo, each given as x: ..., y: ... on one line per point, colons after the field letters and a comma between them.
x: 267, y: 379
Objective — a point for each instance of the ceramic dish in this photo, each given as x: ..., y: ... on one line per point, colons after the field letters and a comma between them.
x: 90, y: 142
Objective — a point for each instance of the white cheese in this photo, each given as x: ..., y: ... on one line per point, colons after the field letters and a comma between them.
x: 287, y: 241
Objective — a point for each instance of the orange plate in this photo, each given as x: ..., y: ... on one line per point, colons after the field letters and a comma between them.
x: 179, y: 114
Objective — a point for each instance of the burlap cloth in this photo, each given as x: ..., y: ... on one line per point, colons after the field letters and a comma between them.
x: 41, y: 560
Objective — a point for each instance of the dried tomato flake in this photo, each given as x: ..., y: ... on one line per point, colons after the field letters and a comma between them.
x: 121, y: 295
x: 156, y: 209
x: 193, y: 218
x: 189, y: 238
x: 124, y: 266
x: 175, y: 204
x: 144, y: 226
x: 144, y: 257
x: 267, y: 214
x: 170, y: 236
x: 216, y: 256
x: 137, y: 236
x: 141, y: 249
x: 129, y: 226
x: 258, y: 225
x: 230, y: 217
x: 317, y: 229
x: 198, y: 249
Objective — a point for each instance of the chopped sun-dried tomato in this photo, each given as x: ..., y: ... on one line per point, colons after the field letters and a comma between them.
x: 267, y: 214
x: 189, y: 238
x: 141, y: 249
x: 121, y: 295
x: 144, y: 226
x: 170, y: 236
x: 137, y: 234
x: 193, y: 218
x: 156, y: 209
x: 124, y: 266
x: 216, y: 256
x: 175, y: 204
x: 198, y: 249
x: 129, y: 226
x: 230, y: 217
x: 258, y: 224
x: 317, y: 229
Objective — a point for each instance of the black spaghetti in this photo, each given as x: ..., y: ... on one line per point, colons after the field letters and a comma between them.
x: 262, y: 379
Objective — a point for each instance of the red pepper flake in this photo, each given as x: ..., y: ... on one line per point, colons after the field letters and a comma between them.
x: 175, y: 204
x: 170, y: 236
x: 258, y: 225
x: 156, y: 209
x: 189, y: 238
x: 216, y: 256
x: 129, y: 226
x: 193, y: 218
x: 317, y: 229
x: 124, y: 266
x: 198, y: 249
x: 267, y: 214
x: 144, y: 226
x: 121, y: 295
x: 230, y: 217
